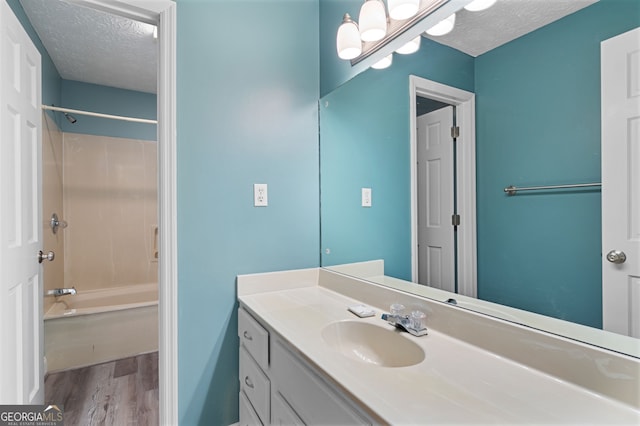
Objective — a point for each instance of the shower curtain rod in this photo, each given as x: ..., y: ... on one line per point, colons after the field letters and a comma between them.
x: 97, y: 114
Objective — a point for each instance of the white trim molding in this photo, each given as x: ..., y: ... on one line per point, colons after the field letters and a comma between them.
x: 168, y: 202
x: 163, y: 14
x: 466, y: 176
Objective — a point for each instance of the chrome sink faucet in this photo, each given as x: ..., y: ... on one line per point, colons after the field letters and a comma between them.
x: 411, y: 324
x: 62, y: 291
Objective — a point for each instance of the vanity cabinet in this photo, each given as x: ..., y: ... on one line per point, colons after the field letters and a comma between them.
x: 255, y: 385
x: 278, y: 386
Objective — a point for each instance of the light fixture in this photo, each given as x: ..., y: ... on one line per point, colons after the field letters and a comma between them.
x: 403, y: 9
x: 443, y: 27
x: 478, y: 5
x: 348, y: 40
x: 383, y: 63
x: 377, y: 28
x: 373, y: 20
x: 410, y: 47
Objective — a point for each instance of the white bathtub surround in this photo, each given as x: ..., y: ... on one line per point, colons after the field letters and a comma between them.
x: 111, y: 204
x: 52, y: 202
x: 101, y: 325
x: 477, y: 369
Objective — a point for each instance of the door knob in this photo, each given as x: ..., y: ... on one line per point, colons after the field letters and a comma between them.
x: 616, y: 256
x: 49, y: 256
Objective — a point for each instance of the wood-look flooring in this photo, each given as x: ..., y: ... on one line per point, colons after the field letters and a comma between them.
x: 122, y: 392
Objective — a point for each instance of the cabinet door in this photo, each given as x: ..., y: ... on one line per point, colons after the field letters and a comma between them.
x: 282, y: 414
x: 311, y: 397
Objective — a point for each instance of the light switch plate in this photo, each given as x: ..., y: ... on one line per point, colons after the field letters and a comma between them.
x: 366, y: 197
x: 260, y: 195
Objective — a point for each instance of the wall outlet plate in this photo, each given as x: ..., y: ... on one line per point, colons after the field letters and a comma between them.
x: 366, y: 197
x: 260, y: 195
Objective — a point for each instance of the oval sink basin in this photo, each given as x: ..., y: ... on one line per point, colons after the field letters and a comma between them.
x: 372, y: 344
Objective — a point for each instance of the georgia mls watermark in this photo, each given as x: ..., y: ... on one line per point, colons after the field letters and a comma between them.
x: 31, y: 415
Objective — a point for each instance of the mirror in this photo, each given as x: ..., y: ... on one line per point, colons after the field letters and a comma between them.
x: 537, y: 111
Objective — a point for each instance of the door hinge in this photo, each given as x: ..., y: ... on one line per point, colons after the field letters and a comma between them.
x: 455, y: 219
x: 455, y: 132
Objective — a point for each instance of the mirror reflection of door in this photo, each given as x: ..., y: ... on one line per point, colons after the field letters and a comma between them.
x: 620, y: 64
x: 436, y: 195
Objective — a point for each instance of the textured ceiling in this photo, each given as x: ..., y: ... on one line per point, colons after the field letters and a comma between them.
x: 95, y: 47
x: 478, y: 32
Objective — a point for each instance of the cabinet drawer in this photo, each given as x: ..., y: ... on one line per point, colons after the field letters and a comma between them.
x: 255, y: 385
x: 248, y: 416
x: 310, y: 397
x: 254, y: 338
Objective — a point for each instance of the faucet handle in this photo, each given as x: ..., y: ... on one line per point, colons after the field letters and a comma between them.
x: 396, y: 309
x: 417, y: 318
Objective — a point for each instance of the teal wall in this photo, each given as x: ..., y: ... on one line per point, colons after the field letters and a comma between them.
x: 107, y: 100
x: 538, y: 123
x: 365, y: 144
x: 248, y: 78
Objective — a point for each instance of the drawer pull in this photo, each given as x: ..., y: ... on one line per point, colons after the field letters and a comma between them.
x: 248, y: 382
x: 247, y: 335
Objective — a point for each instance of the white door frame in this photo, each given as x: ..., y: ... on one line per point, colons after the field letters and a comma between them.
x: 466, y: 176
x: 163, y: 14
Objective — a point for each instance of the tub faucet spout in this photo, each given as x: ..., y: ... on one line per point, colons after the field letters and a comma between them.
x: 61, y: 291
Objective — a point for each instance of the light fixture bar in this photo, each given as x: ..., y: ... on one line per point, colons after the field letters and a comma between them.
x: 371, y: 48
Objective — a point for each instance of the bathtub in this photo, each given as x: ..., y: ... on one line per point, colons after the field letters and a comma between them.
x: 101, y: 325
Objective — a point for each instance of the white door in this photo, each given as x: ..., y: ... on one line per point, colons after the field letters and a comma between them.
x: 620, y: 68
x: 435, y: 200
x: 21, y: 326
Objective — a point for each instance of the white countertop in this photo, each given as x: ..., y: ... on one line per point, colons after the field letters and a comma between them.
x: 457, y: 383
